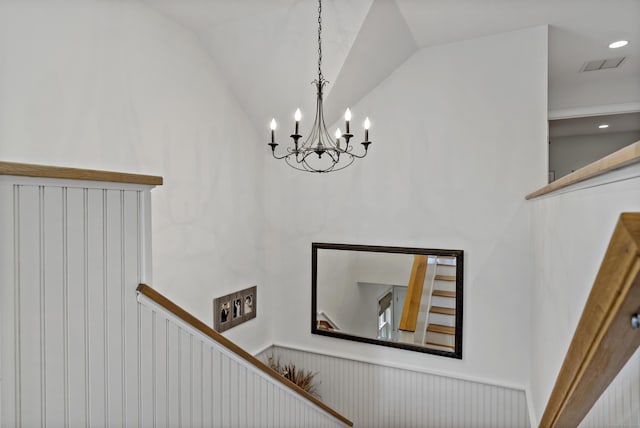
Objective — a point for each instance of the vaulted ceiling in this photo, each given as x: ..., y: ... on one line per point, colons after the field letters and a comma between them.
x: 267, y: 49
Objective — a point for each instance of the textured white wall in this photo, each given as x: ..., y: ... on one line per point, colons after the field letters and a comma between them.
x: 459, y: 137
x: 567, y: 154
x: 570, y: 233
x: 373, y: 395
x: 116, y: 85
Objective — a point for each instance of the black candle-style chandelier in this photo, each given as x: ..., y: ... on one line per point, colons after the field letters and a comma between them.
x: 320, y: 152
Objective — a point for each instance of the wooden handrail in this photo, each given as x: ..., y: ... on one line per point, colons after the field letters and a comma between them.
x: 616, y: 160
x: 604, y: 339
x: 411, y: 307
x: 185, y: 316
x: 45, y: 171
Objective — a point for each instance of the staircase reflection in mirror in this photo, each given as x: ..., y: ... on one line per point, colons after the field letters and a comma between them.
x: 408, y: 298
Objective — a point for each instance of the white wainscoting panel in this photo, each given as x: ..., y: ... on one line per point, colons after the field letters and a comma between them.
x: 619, y: 404
x: 78, y: 349
x: 379, y: 396
x: 70, y: 337
x: 190, y: 380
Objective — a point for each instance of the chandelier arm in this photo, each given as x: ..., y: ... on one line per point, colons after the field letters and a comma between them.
x: 279, y: 157
x: 359, y: 157
x: 273, y: 152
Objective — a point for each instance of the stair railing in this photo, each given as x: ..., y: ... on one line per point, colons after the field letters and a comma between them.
x: 148, y: 293
x: 432, y: 283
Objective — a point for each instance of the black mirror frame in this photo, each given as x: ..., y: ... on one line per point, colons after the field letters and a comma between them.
x: 458, y: 254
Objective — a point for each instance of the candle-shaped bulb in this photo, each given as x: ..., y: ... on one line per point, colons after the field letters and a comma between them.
x: 338, y: 134
x: 367, y: 124
x: 273, y: 130
x: 347, y: 118
x: 297, y: 116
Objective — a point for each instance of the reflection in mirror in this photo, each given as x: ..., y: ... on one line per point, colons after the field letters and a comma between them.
x: 408, y: 298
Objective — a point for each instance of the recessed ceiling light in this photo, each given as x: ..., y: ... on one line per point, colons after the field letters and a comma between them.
x: 603, y: 126
x: 618, y: 44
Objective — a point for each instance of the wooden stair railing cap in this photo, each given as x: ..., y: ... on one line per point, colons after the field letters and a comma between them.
x: 616, y: 160
x: 185, y: 316
x: 604, y: 340
x: 46, y: 171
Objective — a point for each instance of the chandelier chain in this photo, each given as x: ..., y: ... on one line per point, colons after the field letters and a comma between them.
x: 320, y: 77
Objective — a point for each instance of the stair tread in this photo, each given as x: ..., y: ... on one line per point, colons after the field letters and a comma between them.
x: 440, y: 344
x: 444, y: 293
x: 438, y: 328
x: 445, y: 277
x: 324, y: 325
x: 443, y: 311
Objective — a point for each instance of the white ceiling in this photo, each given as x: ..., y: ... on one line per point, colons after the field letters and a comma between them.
x: 267, y: 48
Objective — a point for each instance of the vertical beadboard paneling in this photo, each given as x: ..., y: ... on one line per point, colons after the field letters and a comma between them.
x: 184, y: 385
x: 619, y: 404
x: 8, y: 285
x: 173, y: 375
x: 75, y: 349
x: 55, y: 283
x: 76, y: 326
x: 161, y: 387
x: 130, y: 260
x: 29, y: 347
x: 96, y: 307
x: 115, y: 313
x: 379, y: 396
x: 147, y: 367
x: 217, y: 387
x: 207, y: 385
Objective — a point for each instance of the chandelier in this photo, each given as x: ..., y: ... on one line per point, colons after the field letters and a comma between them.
x: 320, y: 152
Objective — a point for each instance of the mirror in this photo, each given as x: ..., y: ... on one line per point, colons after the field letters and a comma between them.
x: 409, y: 298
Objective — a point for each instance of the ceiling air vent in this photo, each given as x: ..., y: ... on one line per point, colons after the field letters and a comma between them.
x: 602, y: 64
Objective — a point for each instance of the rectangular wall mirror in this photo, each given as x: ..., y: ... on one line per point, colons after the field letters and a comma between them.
x: 409, y: 298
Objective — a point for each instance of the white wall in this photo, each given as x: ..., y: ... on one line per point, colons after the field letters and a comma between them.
x: 115, y: 85
x: 338, y: 291
x: 570, y: 232
x: 567, y: 154
x: 350, y: 284
x: 384, y: 268
x: 594, y: 89
x: 459, y: 137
